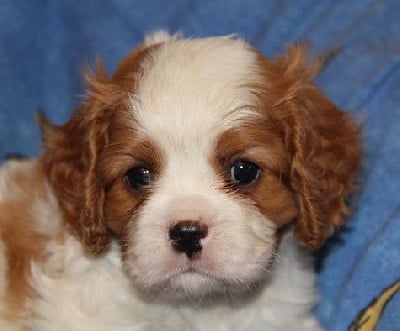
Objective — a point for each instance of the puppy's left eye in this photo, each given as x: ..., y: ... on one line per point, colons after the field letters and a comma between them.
x: 244, y: 172
x: 139, y: 177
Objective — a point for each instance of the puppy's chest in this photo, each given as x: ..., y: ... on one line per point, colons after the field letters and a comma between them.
x: 99, y: 305
x: 76, y: 293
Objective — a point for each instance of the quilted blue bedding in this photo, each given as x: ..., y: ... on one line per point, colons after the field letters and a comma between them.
x: 45, y: 44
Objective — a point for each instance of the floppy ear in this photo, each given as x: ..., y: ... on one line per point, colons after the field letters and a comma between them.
x: 324, y: 148
x: 71, y: 159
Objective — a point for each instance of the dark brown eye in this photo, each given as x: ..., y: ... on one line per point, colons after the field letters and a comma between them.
x: 244, y: 172
x: 139, y: 177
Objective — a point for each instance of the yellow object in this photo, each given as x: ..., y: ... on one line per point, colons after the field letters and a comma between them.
x: 369, y: 317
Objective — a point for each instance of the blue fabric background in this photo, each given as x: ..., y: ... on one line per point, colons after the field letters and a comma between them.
x: 45, y: 44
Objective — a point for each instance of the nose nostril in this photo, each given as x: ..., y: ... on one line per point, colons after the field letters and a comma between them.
x: 188, y: 230
x: 186, y: 235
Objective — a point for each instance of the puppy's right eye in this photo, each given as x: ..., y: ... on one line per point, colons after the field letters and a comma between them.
x: 139, y: 177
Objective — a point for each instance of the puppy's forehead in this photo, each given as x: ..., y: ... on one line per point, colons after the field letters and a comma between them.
x: 191, y: 89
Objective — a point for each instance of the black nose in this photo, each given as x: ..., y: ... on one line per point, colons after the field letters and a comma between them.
x: 186, y: 235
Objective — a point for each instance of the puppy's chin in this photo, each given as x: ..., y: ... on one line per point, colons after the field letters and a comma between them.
x: 193, y: 285
x: 197, y: 285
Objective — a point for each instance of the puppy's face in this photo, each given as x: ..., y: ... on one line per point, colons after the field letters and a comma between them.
x: 194, y: 155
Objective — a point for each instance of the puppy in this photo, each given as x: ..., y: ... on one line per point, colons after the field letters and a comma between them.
x: 185, y: 193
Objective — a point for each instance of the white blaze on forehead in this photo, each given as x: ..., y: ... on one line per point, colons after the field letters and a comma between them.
x: 193, y: 90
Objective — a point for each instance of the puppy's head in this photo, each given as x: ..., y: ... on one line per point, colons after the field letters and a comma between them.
x: 195, y: 154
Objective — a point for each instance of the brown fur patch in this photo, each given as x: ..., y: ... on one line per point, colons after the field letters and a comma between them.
x: 260, y: 144
x: 74, y: 151
x: 322, y: 143
x: 125, y: 151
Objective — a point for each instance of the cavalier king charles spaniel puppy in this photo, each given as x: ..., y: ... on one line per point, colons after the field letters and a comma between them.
x: 187, y: 192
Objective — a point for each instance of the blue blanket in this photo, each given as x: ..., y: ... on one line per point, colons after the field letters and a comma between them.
x: 45, y: 44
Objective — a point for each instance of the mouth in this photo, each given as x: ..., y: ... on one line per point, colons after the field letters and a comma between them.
x: 192, y: 283
x: 190, y: 271
x: 195, y: 283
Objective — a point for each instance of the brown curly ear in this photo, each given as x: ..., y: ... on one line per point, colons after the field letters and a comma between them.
x: 71, y: 159
x: 324, y: 145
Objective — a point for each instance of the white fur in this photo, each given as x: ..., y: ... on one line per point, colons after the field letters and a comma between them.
x: 96, y: 295
x: 191, y: 92
x: 159, y: 36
